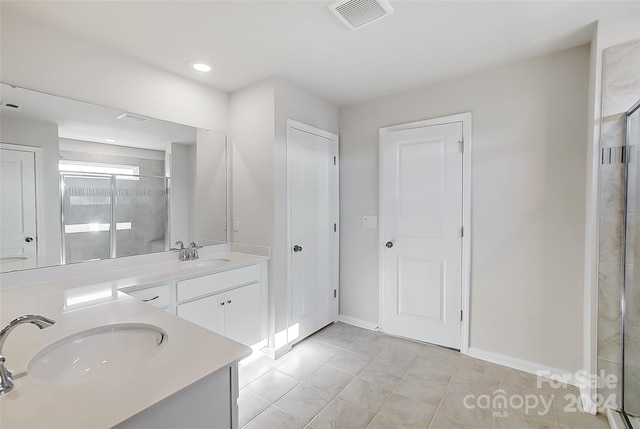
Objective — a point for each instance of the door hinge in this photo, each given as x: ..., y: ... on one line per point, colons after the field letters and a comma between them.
x: 462, y: 231
x: 335, y: 160
x: 461, y: 315
x: 335, y: 227
x: 335, y: 293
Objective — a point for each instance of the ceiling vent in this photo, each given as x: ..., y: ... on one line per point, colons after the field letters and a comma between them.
x: 131, y: 118
x: 358, y: 13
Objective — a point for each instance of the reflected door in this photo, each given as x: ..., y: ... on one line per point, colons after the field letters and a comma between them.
x: 17, y: 202
x: 421, y: 224
x: 312, y: 176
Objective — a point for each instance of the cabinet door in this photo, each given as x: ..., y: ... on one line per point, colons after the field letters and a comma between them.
x: 242, y: 314
x: 207, y: 312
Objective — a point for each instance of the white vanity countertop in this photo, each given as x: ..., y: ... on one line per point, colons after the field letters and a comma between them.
x: 190, y: 353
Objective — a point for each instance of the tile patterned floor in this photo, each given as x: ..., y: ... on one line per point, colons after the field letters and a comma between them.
x: 352, y: 378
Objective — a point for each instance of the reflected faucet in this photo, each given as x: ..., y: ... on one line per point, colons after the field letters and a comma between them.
x: 184, y: 252
x: 193, y: 250
x: 6, y: 378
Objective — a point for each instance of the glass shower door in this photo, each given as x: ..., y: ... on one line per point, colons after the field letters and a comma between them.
x: 86, y: 217
x: 141, y: 213
x: 631, y: 267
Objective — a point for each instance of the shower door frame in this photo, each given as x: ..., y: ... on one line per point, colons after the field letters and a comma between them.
x: 112, y: 219
x: 623, y: 299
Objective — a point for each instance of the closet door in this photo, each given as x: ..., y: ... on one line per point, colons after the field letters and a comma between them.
x: 312, y: 177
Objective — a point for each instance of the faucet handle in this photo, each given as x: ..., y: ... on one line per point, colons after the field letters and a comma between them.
x: 193, y: 250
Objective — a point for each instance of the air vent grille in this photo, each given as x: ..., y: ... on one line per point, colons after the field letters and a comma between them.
x: 131, y: 118
x: 357, y: 13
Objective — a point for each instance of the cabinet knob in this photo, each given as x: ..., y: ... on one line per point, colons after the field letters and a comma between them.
x: 222, y: 303
x: 28, y: 239
x: 229, y: 301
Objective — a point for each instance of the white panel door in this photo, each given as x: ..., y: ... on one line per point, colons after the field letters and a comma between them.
x: 421, y: 226
x: 17, y: 202
x: 312, y: 177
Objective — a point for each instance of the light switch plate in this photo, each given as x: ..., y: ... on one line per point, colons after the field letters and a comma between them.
x: 236, y: 224
x: 370, y: 222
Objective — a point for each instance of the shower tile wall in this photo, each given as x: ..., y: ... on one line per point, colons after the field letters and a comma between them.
x: 621, y: 89
x: 140, y: 202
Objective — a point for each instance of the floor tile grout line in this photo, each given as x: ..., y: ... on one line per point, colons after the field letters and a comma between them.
x: 335, y: 397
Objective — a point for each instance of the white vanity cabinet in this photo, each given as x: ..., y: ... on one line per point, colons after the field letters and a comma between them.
x: 231, y: 303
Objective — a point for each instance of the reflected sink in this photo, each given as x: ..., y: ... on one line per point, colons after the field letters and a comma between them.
x: 12, y: 259
x: 99, y: 352
x: 204, y: 263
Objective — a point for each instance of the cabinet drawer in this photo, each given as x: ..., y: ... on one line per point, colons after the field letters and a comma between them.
x: 158, y: 296
x: 212, y: 283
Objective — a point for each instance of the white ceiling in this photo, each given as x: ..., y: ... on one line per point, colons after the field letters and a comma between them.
x: 82, y: 121
x: 422, y: 42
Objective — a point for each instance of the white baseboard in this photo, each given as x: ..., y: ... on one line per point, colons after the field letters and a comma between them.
x: 536, y: 369
x: 275, y: 354
x: 357, y: 322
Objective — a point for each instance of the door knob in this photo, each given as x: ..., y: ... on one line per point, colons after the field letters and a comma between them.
x: 28, y: 239
x: 297, y: 248
x: 389, y: 244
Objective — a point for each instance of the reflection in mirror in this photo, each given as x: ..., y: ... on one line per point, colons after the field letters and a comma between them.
x: 81, y: 182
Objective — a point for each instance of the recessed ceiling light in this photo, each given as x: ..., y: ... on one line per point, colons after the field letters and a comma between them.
x: 110, y: 140
x: 201, y: 66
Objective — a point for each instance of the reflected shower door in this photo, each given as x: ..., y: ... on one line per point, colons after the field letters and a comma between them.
x: 141, y: 213
x: 86, y: 217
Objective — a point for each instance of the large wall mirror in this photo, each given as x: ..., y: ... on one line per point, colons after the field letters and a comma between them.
x: 80, y: 182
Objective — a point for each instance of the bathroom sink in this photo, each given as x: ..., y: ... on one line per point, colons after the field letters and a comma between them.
x: 99, y: 352
x: 12, y: 259
x: 204, y: 263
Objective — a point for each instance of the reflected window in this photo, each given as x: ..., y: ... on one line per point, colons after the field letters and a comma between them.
x: 100, y: 168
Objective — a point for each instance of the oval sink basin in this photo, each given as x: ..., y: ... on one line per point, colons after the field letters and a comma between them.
x: 204, y: 263
x: 99, y: 352
x: 12, y: 259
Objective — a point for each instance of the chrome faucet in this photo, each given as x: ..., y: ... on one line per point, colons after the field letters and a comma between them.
x: 184, y: 252
x: 6, y: 378
x: 193, y: 250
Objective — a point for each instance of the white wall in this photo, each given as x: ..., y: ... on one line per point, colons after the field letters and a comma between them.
x: 251, y: 134
x: 258, y: 131
x: 110, y: 149
x: 43, y: 58
x: 211, y: 188
x: 182, y: 220
x: 528, y: 199
x: 35, y: 133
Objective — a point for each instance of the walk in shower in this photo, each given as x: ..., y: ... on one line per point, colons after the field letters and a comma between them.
x: 630, y: 391
x: 107, y: 215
